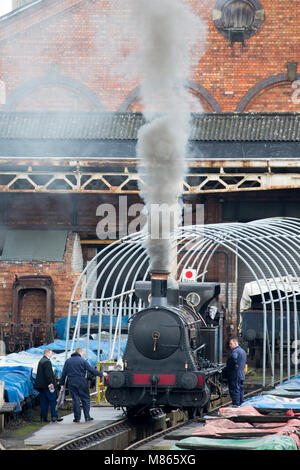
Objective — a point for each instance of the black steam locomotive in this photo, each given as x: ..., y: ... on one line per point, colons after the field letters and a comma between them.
x: 173, y: 358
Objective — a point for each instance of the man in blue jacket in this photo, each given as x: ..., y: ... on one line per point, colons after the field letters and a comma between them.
x: 235, y: 368
x: 76, y: 369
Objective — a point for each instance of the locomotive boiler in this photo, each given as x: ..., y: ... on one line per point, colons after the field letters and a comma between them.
x: 172, y: 358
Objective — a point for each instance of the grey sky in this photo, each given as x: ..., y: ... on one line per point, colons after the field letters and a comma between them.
x: 5, y: 6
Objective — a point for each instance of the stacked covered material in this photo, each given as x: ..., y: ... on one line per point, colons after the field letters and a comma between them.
x: 60, y: 325
x: 268, y: 443
x: 60, y: 345
x: 18, y: 384
x: 285, y: 396
x: 31, y: 358
x: 230, y: 412
x: 273, y: 402
x: 245, y: 429
x: 18, y: 370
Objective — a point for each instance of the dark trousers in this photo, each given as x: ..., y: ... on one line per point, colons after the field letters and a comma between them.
x: 46, y: 399
x: 236, y: 389
x: 79, y: 390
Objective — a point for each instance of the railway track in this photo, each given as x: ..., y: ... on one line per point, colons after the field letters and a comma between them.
x: 127, y: 435
x: 118, y: 435
x: 160, y: 434
x: 100, y: 437
x: 124, y: 434
x: 188, y: 424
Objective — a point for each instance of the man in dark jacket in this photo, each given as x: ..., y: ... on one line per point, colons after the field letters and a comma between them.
x: 45, y: 384
x: 75, y: 369
x: 235, y: 369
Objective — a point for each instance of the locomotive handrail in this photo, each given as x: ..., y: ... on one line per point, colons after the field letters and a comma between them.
x: 103, y: 298
x: 200, y: 347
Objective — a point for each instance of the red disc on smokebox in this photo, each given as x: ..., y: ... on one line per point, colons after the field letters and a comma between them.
x: 189, y: 274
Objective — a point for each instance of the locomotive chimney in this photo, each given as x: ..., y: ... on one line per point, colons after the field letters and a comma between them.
x: 159, y: 284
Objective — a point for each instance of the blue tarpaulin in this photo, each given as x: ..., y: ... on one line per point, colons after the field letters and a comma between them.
x: 270, y: 401
x: 291, y: 384
x: 273, y: 402
x: 30, y: 358
x: 60, y: 345
x: 60, y: 325
x: 18, y: 370
x: 18, y: 383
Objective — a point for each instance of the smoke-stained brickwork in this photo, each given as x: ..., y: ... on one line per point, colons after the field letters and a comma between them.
x: 65, y: 55
x: 33, y: 301
x: 81, y: 41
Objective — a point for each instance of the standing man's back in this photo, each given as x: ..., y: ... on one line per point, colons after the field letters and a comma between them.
x: 76, y: 368
x: 235, y: 368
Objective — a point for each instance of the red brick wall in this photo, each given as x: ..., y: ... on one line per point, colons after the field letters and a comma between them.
x: 55, y: 99
x: 70, y: 33
x: 275, y: 98
x: 223, y: 70
x: 57, y: 210
x: 31, y: 307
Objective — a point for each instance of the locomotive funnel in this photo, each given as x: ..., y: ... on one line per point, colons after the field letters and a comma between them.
x: 159, y: 283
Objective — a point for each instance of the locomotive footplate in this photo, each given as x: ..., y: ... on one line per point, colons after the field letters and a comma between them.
x: 187, y: 379
x: 183, y: 389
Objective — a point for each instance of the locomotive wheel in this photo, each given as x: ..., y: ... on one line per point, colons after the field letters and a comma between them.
x: 257, y: 358
x: 115, y: 396
x: 134, y: 411
x: 193, y: 412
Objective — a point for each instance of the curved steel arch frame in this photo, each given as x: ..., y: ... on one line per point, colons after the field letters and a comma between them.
x: 274, y: 241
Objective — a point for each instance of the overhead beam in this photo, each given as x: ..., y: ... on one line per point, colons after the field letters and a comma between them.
x: 203, y: 176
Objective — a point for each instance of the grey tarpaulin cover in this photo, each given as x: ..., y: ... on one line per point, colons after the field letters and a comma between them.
x: 266, y: 443
x: 252, y: 288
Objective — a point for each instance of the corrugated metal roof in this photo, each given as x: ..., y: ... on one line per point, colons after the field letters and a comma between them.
x: 124, y: 126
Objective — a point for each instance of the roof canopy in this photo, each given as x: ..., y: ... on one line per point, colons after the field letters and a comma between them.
x: 114, y: 135
x: 216, y: 127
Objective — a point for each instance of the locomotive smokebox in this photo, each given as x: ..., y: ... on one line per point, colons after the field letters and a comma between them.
x: 159, y: 284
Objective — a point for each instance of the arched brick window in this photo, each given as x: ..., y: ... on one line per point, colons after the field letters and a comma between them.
x: 273, y: 94
x: 238, y: 20
x: 208, y: 103
x: 53, y: 92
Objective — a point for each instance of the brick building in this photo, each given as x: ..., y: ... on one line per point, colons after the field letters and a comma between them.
x: 68, y: 126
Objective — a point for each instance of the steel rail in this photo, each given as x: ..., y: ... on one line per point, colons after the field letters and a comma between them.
x: 165, y: 432
x: 86, y: 440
